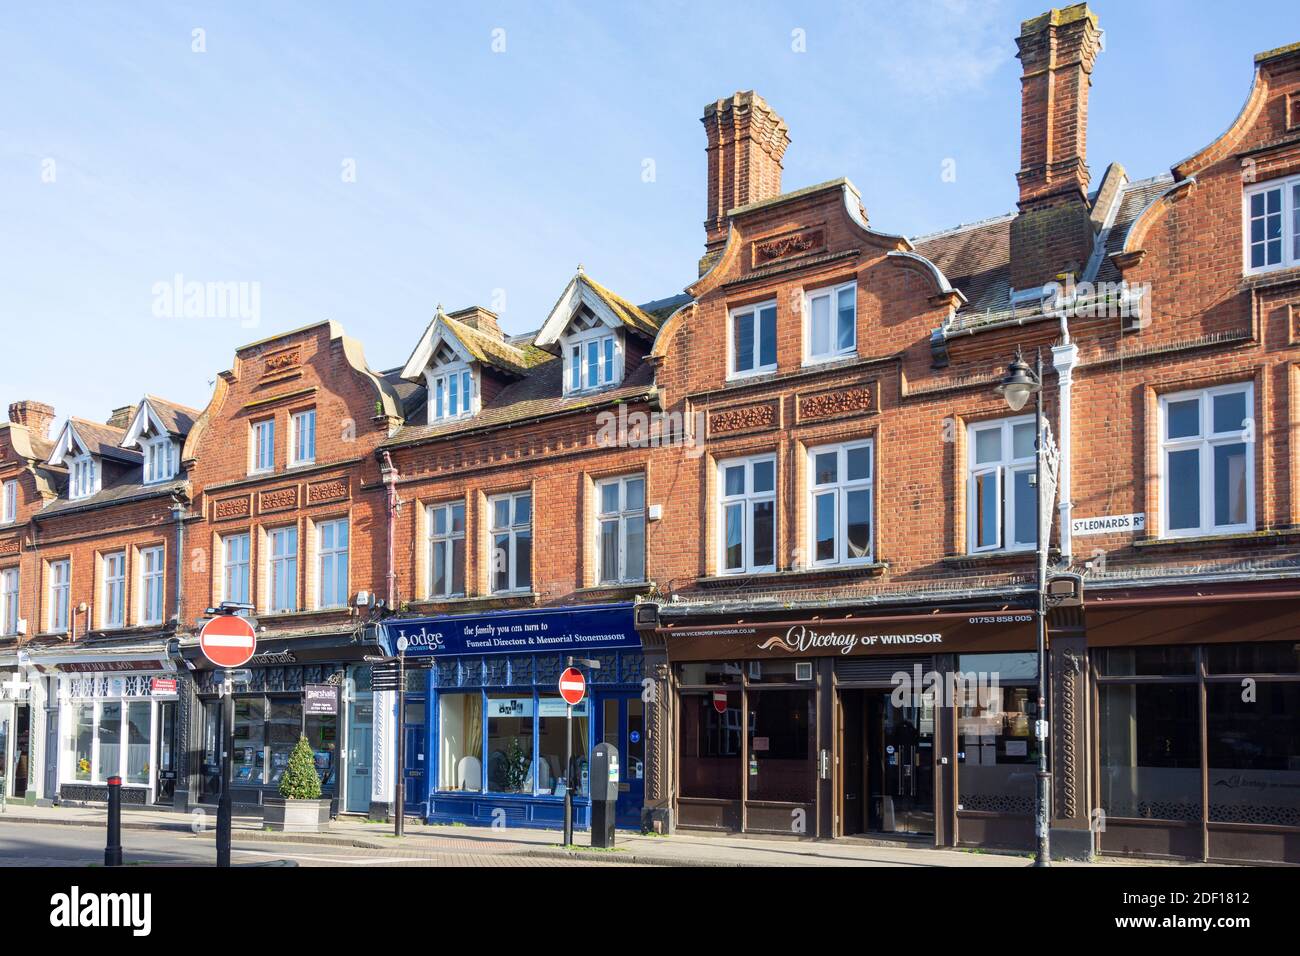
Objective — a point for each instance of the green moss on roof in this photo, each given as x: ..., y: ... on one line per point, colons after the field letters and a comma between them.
x: 629, y: 314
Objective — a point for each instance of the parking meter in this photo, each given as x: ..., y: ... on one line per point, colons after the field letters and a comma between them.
x: 604, y: 793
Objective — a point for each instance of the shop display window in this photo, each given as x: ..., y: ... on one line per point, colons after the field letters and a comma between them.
x: 510, y: 743
x: 782, y: 751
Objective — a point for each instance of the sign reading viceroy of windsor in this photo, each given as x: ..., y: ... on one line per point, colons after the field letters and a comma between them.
x: 958, y: 634
x: 516, y: 632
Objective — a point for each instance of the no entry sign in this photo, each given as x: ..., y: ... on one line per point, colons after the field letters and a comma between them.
x: 720, y: 701
x: 228, y: 640
x: 573, y: 686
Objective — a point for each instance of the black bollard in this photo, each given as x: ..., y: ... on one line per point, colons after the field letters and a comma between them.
x: 113, y: 850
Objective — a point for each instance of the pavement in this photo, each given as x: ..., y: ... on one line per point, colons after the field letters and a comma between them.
x: 357, y: 841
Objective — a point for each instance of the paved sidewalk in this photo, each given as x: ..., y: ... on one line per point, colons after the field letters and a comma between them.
x: 540, y: 845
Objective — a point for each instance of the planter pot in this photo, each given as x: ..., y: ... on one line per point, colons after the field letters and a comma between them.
x: 296, y: 816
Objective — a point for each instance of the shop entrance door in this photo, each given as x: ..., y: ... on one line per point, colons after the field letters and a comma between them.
x: 164, y: 752
x: 622, y: 723
x: 22, y: 748
x: 887, y: 784
x: 413, y: 759
x: 900, y: 775
x: 360, y: 753
x: 210, y: 769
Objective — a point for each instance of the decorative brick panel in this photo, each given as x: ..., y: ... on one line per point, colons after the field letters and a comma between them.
x: 782, y: 247
x: 279, y: 499
x: 838, y: 402
x: 331, y: 489
x: 739, y: 419
x: 228, y: 509
x: 10, y: 546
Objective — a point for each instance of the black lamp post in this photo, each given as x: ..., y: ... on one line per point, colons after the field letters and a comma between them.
x: 1016, y: 386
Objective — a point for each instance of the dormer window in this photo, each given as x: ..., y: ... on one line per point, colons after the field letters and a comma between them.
x: 84, y: 477
x: 450, y: 386
x: 593, y: 356
x: 159, y: 460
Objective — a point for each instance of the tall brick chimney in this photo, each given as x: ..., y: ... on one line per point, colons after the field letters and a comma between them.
x: 746, y: 142
x: 1053, y: 233
x: 36, y: 417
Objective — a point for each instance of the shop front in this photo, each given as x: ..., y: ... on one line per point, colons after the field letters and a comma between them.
x: 1196, y: 705
x: 914, y: 726
x: 495, y: 726
x: 318, y: 688
x: 115, y: 716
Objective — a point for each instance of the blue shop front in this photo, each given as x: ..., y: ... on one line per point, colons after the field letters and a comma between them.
x: 495, y: 724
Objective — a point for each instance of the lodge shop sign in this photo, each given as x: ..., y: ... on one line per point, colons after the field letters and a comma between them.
x: 957, y: 634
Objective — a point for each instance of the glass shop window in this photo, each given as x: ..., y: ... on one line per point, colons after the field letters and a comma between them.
x: 460, y: 742
x: 1281, y: 657
x: 321, y: 731
x: 510, y: 744
x: 782, y: 753
x: 138, y: 720
x: 285, y: 726
x: 110, y: 740
x: 550, y: 745
x: 1168, y: 661
x: 249, y: 750
x: 997, y: 753
x: 1150, y: 750
x: 81, y: 740
x: 1254, y: 752
x: 709, y: 672
x: 709, y: 745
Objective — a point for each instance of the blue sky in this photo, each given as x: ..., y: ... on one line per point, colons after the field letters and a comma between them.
x: 367, y: 161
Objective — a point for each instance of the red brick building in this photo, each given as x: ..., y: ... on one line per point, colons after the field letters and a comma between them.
x: 799, y: 478
x: 289, y: 522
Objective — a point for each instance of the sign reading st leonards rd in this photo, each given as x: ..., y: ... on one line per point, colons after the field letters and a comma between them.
x: 1108, y: 524
x: 515, y: 632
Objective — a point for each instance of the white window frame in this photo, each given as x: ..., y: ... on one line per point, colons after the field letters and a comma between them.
x: 747, y: 499
x: 833, y: 317
x: 302, y: 437
x: 1289, y: 210
x: 439, y: 381
x: 839, y: 490
x: 733, y: 372
x: 1006, y: 467
x: 153, y: 584
x: 159, y: 460
x: 229, y: 566
x: 330, y: 561
x: 83, y: 477
x: 446, y: 544
x: 113, y: 576
x: 99, y: 773
x: 609, y: 359
x: 1205, y: 442
x: 10, y: 597
x: 282, y: 557
x: 621, y: 515
x: 9, y: 502
x: 59, y: 591
x: 261, y: 439
x: 514, y: 530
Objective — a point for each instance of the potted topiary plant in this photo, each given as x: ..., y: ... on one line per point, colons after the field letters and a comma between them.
x: 299, y: 808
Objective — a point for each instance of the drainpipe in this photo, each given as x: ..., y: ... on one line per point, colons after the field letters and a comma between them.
x: 1064, y: 358
x: 389, y: 476
x: 178, y: 515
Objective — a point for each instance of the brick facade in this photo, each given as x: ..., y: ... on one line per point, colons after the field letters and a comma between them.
x: 936, y: 322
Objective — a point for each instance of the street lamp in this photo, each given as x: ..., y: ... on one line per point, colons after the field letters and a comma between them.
x: 1016, y: 386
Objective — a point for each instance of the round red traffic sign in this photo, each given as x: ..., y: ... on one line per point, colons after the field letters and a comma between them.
x: 573, y: 686
x: 228, y: 640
